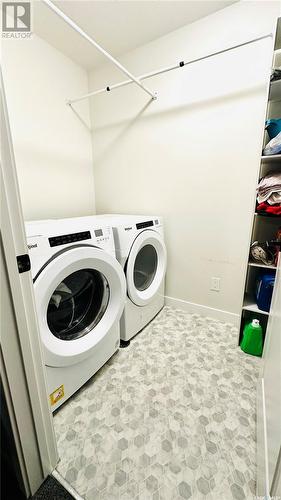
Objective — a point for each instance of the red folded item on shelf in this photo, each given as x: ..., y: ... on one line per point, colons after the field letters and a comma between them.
x: 269, y: 209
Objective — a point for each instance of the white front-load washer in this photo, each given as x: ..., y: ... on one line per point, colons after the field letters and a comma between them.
x: 80, y: 291
x: 141, y: 251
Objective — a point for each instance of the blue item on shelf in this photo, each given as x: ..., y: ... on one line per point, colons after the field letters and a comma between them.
x: 264, y: 289
x: 273, y: 127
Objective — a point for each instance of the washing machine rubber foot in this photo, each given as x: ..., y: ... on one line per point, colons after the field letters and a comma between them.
x: 124, y: 343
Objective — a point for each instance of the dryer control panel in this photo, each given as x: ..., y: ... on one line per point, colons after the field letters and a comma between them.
x: 147, y: 223
x: 143, y: 225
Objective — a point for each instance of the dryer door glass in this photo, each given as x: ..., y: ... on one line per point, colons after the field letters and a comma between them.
x: 145, y: 267
x: 78, y: 304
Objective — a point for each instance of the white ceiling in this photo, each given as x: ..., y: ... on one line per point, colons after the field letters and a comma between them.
x: 119, y: 26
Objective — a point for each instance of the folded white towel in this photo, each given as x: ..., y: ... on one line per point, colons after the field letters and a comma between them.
x: 274, y: 198
x: 269, y: 185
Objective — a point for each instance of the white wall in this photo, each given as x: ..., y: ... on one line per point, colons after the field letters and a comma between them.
x: 193, y: 155
x: 53, y: 148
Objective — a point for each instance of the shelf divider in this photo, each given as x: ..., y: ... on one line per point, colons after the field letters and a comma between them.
x: 250, y: 305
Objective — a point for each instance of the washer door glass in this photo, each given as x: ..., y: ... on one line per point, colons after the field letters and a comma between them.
x: 145, y: 267
x: 78, y: 304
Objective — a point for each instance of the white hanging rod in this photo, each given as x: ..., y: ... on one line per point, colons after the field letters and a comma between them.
x: 73, y: 25
x: 164, y: 70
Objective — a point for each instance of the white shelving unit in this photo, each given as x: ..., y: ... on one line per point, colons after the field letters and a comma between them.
x: 275, y: 91
x: 264, y: 226
x: 273, y: 159
x: 250, y: 305
x: 262, y: 266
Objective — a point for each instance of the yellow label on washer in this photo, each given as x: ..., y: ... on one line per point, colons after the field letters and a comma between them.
x: 57, y: 395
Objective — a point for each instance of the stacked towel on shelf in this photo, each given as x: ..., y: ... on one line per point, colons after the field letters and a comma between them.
x: 269, y: 194
x: 269, y: 188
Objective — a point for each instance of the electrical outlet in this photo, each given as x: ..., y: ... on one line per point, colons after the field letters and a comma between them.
x: 215, y: 284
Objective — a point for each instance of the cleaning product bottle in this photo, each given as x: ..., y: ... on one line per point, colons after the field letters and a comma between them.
x: 252, y: 338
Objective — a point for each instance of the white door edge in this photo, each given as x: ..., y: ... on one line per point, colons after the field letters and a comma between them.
x: 41, y: 459
x: 268, y: 402
x: 266, y: 477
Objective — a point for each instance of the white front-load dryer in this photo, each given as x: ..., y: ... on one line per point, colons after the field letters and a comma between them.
x: 141, y: 251
x: 80, y: 290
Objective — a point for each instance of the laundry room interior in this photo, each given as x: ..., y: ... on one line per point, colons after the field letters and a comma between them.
x: 142, y: 230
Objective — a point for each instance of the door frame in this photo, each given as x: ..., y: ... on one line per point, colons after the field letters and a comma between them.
x: 22, y: 367
x: 268, y: 483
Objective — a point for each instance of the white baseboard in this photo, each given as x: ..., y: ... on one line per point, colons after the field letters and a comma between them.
x: 211, y: 312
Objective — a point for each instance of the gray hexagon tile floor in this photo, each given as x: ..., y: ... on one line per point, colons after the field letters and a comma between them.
x: 170, y: 417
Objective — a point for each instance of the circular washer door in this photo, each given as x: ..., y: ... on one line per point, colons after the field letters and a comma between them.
x: 146, y: 267
x: 79, y: 295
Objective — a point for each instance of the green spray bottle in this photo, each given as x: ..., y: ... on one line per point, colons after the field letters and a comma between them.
x: 252, y: 338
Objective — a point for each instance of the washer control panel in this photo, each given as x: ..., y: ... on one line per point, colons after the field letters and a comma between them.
x: 102, y: 235
x: 69, y: 238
